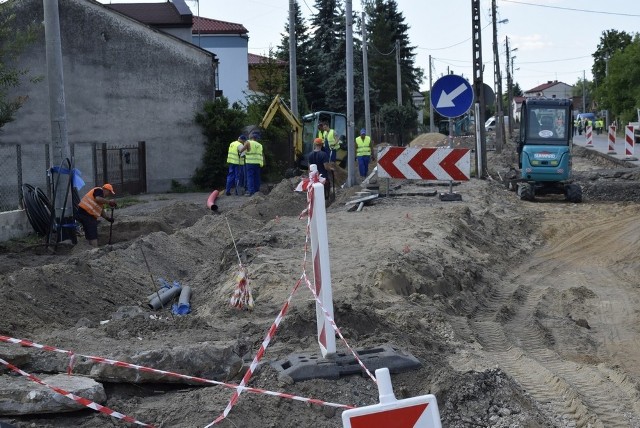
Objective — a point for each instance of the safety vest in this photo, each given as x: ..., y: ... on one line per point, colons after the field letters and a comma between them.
x: 254, y: 154
x: 234, y: 155
x: 599, y: 124
x: 329, y: 137
x: 363, y: 146
x: 90, y: 205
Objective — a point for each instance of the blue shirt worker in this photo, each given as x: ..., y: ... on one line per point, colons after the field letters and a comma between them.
x: 235, y: 176
x: 91, y: 207
x: 363, y: 152
x: 254, y: 160
x: 321, y: 159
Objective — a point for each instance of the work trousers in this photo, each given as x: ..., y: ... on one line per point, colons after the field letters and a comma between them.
x: 253, y: 178
x: 363, y: 165
x: 235, y: 178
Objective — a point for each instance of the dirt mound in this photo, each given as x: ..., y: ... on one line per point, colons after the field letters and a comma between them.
x: 505, y: 303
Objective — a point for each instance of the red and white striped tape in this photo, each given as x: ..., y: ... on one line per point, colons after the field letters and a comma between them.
x: 123, y: 364
x: 263, y: 347
x: 589, y: 136
x: 628, y: 140
x: 80, y: 400
x: 242, y: 386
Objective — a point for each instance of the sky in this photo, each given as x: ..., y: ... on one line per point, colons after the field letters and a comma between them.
x: 548, y: 39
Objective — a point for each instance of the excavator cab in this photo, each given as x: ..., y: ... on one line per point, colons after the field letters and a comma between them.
x: 544, y: 149
x: 311, y: 123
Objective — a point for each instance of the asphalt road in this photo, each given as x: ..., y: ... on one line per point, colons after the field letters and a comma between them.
x: 601, y: 144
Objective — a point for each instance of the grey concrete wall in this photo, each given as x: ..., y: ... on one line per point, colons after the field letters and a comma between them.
x: 124, y: 82
x: 14, y: 224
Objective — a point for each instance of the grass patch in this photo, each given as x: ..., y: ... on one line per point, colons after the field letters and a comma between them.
x: 128, y: 201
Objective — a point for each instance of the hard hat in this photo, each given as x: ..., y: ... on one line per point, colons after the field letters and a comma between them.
x: 109, y: 187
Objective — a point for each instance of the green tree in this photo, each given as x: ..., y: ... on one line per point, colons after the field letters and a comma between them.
x: 516, y: 90
x: 611, y: 41
x: 621, y: 89
x: 276, y: 139
x: 399, y: 120
x: 13, y: 41
x: 328, y: 55
x: 384, y: 26
x: 221, y: 125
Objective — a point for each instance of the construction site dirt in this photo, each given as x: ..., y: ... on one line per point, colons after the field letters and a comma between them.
x: 522, y: 314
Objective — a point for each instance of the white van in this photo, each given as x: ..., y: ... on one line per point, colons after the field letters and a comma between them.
x: 490, y: 124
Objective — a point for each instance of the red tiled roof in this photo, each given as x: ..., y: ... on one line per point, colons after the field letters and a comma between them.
x: 165, y: 14
x: 213, y: 26
x: 258, y: 59
x: 543, y: 87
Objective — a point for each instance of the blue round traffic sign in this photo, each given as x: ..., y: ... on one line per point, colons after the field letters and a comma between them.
x: 451, y: 95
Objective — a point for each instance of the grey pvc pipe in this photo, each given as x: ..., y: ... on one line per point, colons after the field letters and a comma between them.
x: 160, y: 290
x: 185, y: 296
x: 159, y: 301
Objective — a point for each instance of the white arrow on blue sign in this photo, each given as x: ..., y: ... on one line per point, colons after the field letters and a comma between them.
x: 451, y: 95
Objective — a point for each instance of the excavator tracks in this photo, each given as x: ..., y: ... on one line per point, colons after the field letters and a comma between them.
x: 565, y: 325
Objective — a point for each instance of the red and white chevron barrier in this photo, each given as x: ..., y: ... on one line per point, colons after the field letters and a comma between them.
x: 589, y: 136
x: 612, y: 140
x: 415, y: 163
x: 628, y: 141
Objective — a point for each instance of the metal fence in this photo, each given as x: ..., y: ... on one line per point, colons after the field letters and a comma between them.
x: 29, y: 163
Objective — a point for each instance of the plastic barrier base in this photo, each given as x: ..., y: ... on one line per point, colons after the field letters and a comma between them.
x: 306, y: 366
x: 448, y: 197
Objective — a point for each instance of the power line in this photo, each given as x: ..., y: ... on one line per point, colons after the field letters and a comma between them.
x: 572, y: 9
x: 455, y: 44
x: 554, y: 60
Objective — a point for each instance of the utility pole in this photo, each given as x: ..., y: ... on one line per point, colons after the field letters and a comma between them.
x: 57, y: 113
x: 293, y: 77
x: 365, y: 69
x: 432, y: 126
x: 584, y: 96
x: 509, y: 94
x: 606, y: 74
x: 478, y: 88
x: 498, y: 80
x: 398, y: 78
x: 351, y: 141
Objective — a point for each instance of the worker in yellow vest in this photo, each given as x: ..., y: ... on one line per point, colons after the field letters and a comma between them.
x: 235, y: 176
x: 331, y: 143
x: 599, y: 126
x: 363, y: 152
x: 254, y: 160
x: 91, y: 207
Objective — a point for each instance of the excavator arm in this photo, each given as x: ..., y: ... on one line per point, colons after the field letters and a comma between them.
x: 278, y: 105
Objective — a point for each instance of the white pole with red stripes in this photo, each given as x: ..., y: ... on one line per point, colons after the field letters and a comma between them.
x: 628, y: 143
x: 612, y: 140
x: 321, y: 269
x: 589, y: 136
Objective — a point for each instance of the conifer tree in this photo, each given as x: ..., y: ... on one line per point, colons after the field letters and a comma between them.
x: 385, y: 25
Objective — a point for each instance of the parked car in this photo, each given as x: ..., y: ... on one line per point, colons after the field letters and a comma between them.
x: 490, y: 124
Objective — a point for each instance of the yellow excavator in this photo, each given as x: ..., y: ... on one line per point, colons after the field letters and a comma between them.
x: 304, y: 131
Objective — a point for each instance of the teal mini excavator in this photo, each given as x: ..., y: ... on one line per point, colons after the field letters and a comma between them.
x: 544, y: 150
